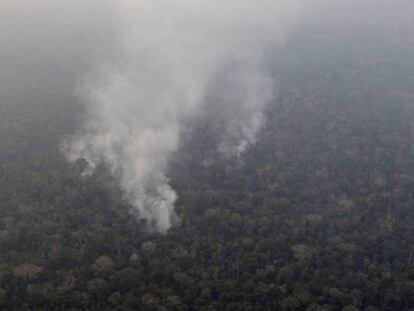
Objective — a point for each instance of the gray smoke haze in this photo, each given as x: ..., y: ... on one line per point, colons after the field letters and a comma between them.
x: 170, y: 54
x: 48, y: 44
x: 144, y: 68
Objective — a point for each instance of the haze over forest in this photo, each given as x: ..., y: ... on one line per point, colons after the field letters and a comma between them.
x: 206, y: 155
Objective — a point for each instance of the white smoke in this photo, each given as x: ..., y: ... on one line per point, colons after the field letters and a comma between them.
x: 170, y: 55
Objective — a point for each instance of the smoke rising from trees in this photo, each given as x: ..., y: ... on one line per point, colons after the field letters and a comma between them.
x: 170, y: 56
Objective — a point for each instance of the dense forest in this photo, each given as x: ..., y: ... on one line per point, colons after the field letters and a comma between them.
x: 317, y: 215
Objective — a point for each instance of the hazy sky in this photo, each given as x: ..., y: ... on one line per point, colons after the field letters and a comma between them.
x: 41, y: 39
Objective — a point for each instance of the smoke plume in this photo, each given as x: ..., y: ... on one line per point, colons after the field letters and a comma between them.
x: 172, y: 60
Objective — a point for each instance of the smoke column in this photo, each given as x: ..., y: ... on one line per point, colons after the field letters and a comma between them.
x: 173, y: 58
